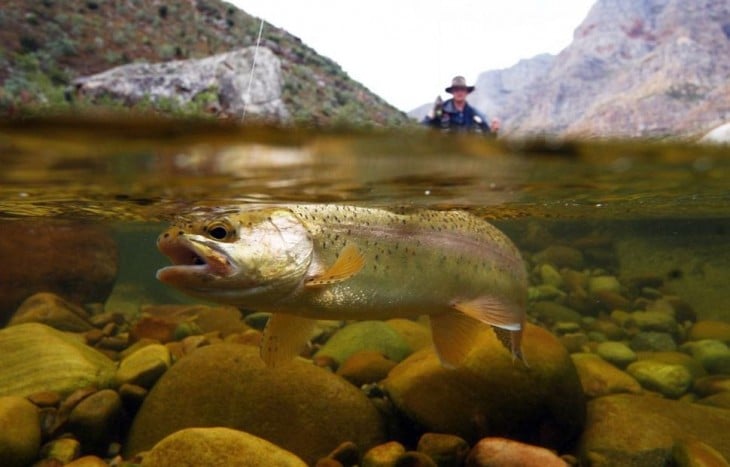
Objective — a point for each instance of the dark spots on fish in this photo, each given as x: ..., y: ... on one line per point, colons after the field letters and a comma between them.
x: 166, y: 235
x: 180, y: 233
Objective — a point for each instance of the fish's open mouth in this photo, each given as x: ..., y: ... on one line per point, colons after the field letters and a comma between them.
x: 191, y: 257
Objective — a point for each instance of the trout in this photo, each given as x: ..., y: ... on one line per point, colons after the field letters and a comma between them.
x: 308, y: 262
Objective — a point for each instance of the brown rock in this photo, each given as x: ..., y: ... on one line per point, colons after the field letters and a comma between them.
x: 714, y: 384
x: 346, y: 454
x: 76, y: 260
x: 301, y: 408
x: 18, y: 446
x: 95, y: 419
x: 365, y: 366
x: 45, y: 398
x: 501, y: 452
x: 383, y: 455
x: 87, y: 461
x: 627, y: 429
x: 717, y: 330
x: 695, y: 453
x: 446, y: 450
x: 217, y: 447
x: 492, y: 394
x: 62, y: 449
x: 53, y: 311
x: 721, y: 399
x: 600, y: 378
x: 415, y: 459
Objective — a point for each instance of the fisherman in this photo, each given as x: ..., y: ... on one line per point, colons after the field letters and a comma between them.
x: 456, y: 114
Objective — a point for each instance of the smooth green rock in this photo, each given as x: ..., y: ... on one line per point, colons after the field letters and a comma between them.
x: 551, y: 313
x: 654, y: 341
x: 365, y: 335
x: 636, y: 430
x: 490, y: 393
x: 654, y: 321
x: 304, y: 409
x: 37, y: 358
x: 714, y: 355
x: 617, y: 353
x: 604, y: 284
x: 144, y: 366
x: 717, y: 330
x: 676, y: 358
x: 19, y: 445
x: 549, y: 275
x: 667, y: 379
x: 218, y: 447
x: 600, y: 378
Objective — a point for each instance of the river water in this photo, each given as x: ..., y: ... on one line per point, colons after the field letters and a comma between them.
x: 657, y: 212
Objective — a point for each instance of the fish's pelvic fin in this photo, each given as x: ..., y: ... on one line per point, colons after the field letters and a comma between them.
x: 284, y: 338
x: 506, y: 318
x: 349, y: 262
x: 512, y: 341
x: 454, y: 335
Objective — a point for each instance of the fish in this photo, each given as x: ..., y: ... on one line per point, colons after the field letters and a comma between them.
x: 304, y: 262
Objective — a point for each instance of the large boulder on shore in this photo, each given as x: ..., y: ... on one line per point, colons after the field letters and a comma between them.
x: 492, y: 395
x: 225, y: 75
x: 302, y: 408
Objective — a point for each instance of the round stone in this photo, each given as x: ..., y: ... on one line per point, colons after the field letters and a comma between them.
x: 493, y: 393
x: 717, y: 330
x: 144, y: 367
x: 365, y: 335
x: 669, y: 380
x: 446, y: 450
x: 304, y: 409
x: 95, y: 419
x: 383, y: 455
x: 600, y: 378
x: 654, y: 341
x: 490, y: 452
x: 19, y: 445
x: 714, y: 355
x: 218, y: 446
x: 51, y: 310
x: 366, y: 366
x: 617, y: 353
x: 604, y: 284
x: 654, y: 321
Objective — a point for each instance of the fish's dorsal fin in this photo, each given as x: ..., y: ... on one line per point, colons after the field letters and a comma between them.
x: 506, y: 318
x: 454, y: 335
x: 349, y: 262
x: 284, y: 338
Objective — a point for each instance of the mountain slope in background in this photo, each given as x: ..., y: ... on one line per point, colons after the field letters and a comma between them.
x: 46, y: 44
x: 648, y: 68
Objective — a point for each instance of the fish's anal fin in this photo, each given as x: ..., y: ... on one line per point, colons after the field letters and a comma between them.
x: 349, y: 262
x: 508, y: 320
x: 284, y: 338
x: 454, y: 335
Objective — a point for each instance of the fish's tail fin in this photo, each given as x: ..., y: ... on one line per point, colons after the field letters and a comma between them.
x: 512, y: 341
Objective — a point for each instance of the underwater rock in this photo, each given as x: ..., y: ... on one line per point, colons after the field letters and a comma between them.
x: 695, y: 453
x: 365, y: 335
x: 95, y: 419
x: 675, y: 358
x: 667, y: 379
x: 549, y: 275
x: 51, y: 310
x: 19, y: 445
x: 218, y: 446
x: 627, y: 429
x: 302, y: 408
x: 616, y: 353
x: 600, y: 378
x: 560, y: 256
x: 654, y: 341
x: 718, y: 330
x: 721, y: 400
x: 75, y: 260
x: 493, y: 452
x: 87, y: 461
x: 712, y: 384
x: 383, y: 455
x: 416, y: 334
x: 604, y: 284
x: 551, y: 313
x: 38, y: 358
x: 491, y: 394
x: 64, y: 450
x: 365, y: 366
x: 714, y: 355
x: 144, y: 366
x: 654, y: 321
x: 445, y: 450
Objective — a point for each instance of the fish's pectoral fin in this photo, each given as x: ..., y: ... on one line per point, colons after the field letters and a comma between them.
x: 284, y: 338
x: 349, y: 262
x: 454, y: 335
x: 506, y: 318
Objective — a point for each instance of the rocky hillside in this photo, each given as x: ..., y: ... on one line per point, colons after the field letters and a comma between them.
x: 649, y: 68
x: 46, y: 44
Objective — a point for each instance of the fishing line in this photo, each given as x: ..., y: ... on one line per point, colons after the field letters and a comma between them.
x: 253, y: 67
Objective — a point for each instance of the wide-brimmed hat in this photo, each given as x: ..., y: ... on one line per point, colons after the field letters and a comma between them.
x: 459, y: 82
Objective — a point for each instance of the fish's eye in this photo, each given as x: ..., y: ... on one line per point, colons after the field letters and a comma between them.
x: 218, y: 231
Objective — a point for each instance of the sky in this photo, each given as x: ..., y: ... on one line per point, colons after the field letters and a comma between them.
x: 407, y: 51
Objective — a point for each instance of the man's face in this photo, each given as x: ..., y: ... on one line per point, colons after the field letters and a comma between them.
x: 459, y: 94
